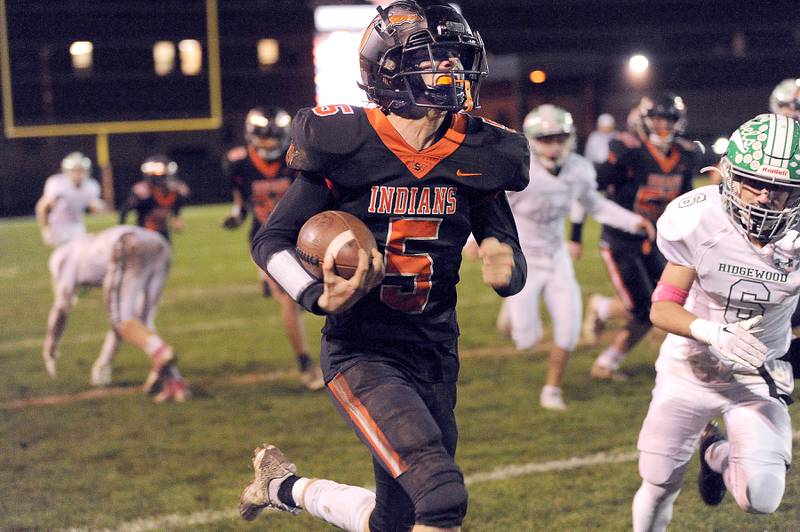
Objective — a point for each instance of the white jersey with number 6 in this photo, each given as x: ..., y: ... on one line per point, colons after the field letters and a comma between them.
x: 735, y: 281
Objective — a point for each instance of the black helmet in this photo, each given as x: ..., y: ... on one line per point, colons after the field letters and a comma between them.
x: 406, y: 41
x: 263, y: 123
x: 159, y: 168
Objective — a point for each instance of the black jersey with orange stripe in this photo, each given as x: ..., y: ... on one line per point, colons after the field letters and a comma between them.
x: 644, y: 179
x: 420, y: 205
x: 477, y: 153
x: 261, y: 183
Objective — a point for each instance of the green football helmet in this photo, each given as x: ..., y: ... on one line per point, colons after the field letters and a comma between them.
x: 785, y: 98
x: 764, y: 158
x: 546, y: 124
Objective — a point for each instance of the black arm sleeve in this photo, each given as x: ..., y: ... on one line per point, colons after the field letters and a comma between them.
x: 491, y: 216
x: 306, y: 196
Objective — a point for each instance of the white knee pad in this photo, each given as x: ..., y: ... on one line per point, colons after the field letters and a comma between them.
x: 661, y: 470
x: 763, y: 495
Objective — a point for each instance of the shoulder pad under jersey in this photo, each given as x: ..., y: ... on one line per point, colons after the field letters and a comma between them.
x: 502, y: 154
x: 323, y: 135
x: 692, y: 215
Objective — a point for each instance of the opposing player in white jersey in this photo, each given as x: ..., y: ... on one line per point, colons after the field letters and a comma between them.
x: 559, y: 178
x: 725, y: 298
x: 67, y: 196
x: 131, y: 264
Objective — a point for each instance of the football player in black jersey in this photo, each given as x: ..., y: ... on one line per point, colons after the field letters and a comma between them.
x: 158, y: 197
x: 260, y: 177
x: 422, y: 174
x: 648, y: 166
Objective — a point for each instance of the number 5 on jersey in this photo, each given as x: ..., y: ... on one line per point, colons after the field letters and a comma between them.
x: 416, y: 267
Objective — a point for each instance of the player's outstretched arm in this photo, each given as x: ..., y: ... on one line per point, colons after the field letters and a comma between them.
x: 340, y: 294
x: 733, y: 343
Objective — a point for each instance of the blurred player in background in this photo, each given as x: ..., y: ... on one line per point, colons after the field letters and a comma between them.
x: 726, y: 297
x: 260, y: 177
x: 66, y: 198
x: 646, y: 169
x: 785, y: 98
x: 158, y: 197
x: 559, y: 178
x: 422, y: 175
x: 596, y: 149
x: 131, y: 264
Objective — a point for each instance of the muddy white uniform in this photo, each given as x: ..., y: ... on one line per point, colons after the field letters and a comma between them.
x: 131, y: 263
x: 66, y: 218
x: 539, y: 212
x: 735, y: 281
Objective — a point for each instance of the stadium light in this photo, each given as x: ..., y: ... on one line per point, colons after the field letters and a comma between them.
x: 538, y: 76
x: 164, y: 57
x: 720, y: 146
x: 268, y: 52
x: 191, y: 57
x: 81, y: 52
x: 638, y: 65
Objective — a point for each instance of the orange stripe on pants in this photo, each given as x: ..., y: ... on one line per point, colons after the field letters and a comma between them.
x: 362, y: 419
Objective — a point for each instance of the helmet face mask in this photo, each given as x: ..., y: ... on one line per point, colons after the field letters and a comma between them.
x: 662, y: 118
x: 77, y: 166
x: 419, y: 57
x: 268, y: 131
x: 159, y: 169
x: 551, y: 132
x: 761, y: 177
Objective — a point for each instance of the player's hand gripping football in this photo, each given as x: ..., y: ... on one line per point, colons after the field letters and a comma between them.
x: 733, y: 342
x: 340, y: 294
x: 497, y: 262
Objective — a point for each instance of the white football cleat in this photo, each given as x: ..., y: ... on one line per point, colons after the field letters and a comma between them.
x: 604, y: 373
x: 271, y: 468
x: 101, y: 373
x: 312, y: 378
x: 551, y: 398
x: 592, y: 325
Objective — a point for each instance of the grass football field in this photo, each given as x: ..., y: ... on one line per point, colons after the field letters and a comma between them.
x: 114, y: 460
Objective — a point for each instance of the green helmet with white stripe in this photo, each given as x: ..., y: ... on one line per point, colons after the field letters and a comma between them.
x: 763, y: 158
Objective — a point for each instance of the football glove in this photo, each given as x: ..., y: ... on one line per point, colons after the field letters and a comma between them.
x: 732, y: 342
x: 786, y: 252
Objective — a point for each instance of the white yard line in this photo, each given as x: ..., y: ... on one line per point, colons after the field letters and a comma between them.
x: 207, y: 517
x: 236, y: 323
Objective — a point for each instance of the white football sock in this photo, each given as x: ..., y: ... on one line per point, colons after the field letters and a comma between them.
x: 347, y: 507
x: 652, y: 507
x: 602, y: 305
x: 153, y: 344
x: 717, y: 455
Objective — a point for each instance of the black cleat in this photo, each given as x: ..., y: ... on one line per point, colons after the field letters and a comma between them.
x: 710, y: 483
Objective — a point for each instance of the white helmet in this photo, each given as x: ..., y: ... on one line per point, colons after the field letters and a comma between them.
x: 76, y: 161
x: 551, y: 131
x: 785, y: 98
